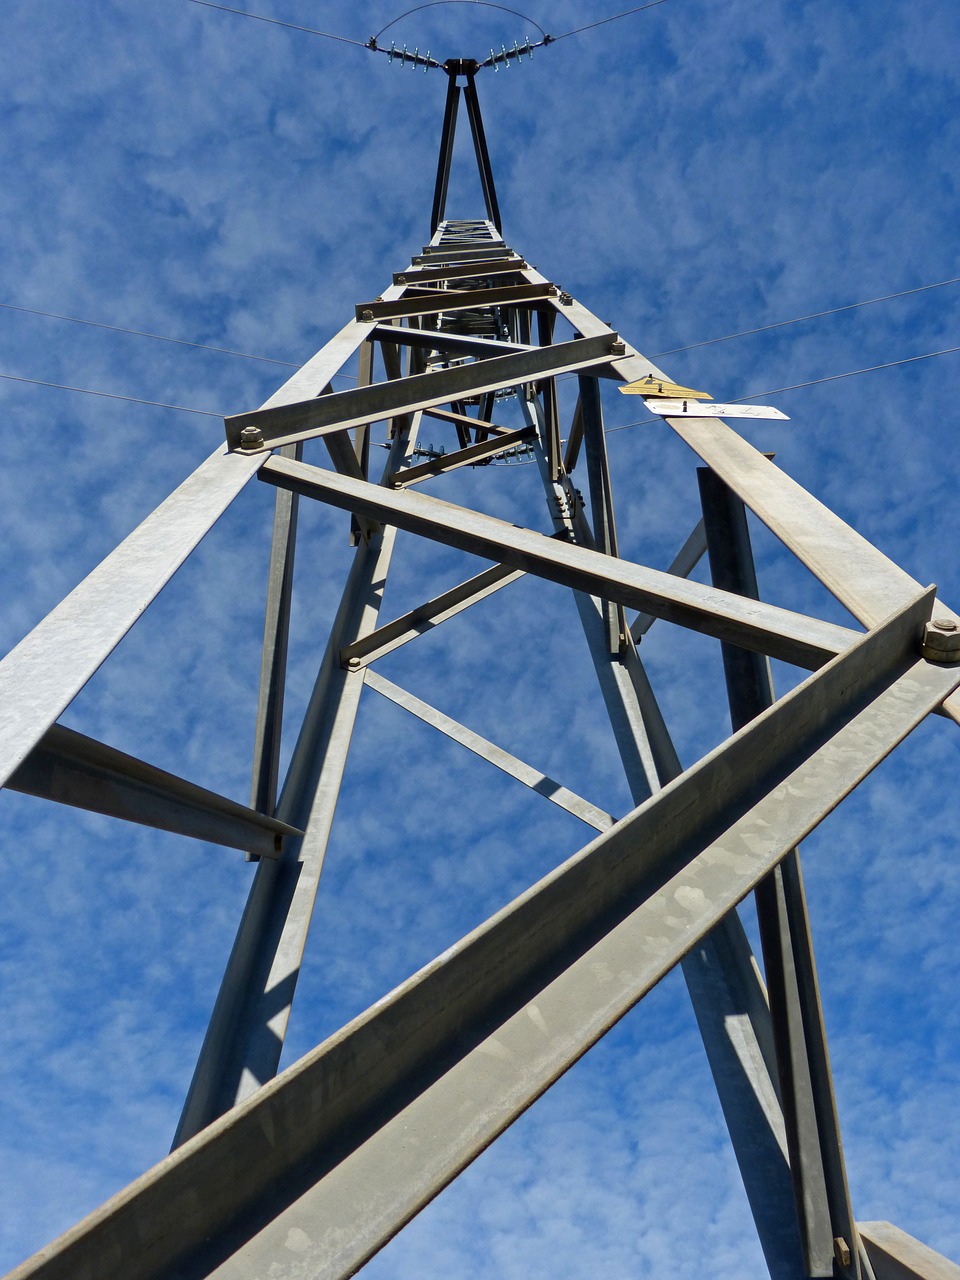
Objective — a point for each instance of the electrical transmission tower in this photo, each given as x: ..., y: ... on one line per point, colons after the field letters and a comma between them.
x: 349, y: 1143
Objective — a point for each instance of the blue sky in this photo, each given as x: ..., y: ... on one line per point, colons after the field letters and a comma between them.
x: 690, y: 172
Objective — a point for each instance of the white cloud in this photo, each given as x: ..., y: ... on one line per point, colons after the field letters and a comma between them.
x: 690, y: 172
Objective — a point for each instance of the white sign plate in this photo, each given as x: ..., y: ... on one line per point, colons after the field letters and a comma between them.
x: 697, y: 409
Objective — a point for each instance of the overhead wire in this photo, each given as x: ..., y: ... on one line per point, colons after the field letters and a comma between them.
x: 246, y: 355
x: 110, y: 395
x: 812, y: 382
x: 652, y: 4
x: 291, y: 364
x: 161, y: 337
x: 487, y: 4
x: 140, y: 333
x: 782, y: 324
x: 796, y: 386
x: 371, y: 44
x: 374, y: 47
x: 814, y: 315
x: 277, y: 22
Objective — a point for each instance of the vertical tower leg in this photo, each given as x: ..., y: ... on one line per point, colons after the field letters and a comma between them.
x: 447, y: 135
x: 827, y: 1229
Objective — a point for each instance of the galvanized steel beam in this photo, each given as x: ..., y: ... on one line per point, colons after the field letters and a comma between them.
x: 417, y: 622
x: 245, y: 1036
x: 273, y: 662
x: 489, y: 751
x: 682, y: 565
x: 790, y: 636
x: 355, y: 1138
x: 443, y: 300
x: 344, y: 409
x: 897, y: 1256
x: 72, y: 769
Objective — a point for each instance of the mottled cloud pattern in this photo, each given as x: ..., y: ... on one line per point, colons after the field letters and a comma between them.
x: 690, y: 172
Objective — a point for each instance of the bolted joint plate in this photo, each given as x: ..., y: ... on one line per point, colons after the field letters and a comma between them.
x: 941, y: 640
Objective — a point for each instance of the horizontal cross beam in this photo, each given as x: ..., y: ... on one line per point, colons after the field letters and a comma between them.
x: 505, y: 295
x: 72, y: 769
x: 344, y: 409
x: 460, y: 271
x: 439, y: 340
x: 452, y: 253
x: 792, y: 637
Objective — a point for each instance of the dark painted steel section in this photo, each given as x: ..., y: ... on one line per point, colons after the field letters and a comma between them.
x: 276, y: 634
x: 447, y: 136
x: 483, y: 155
x: 806, y: 1088
x: 601, y: 499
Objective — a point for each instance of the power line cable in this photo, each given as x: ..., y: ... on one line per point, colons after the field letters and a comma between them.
x: 110, y: 395
x: 140, y: 333
x: 782, y: 324
x: 485, y: 3
x: 276, y: 22
x: 814, y: 315
x: 374, y: 47
x: 246, y: 355
x: 161, y: 337
x: 290, y: 364
x: 813, y: 382
x: 209, y: 413
x: 602, y: 21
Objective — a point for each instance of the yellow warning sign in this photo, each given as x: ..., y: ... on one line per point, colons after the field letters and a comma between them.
x: 651, y: 386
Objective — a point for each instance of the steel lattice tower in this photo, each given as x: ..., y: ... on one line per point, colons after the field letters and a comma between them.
x: 350, y: 1142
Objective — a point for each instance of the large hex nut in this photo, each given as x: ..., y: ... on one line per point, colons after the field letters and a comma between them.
x: 941, y: 640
